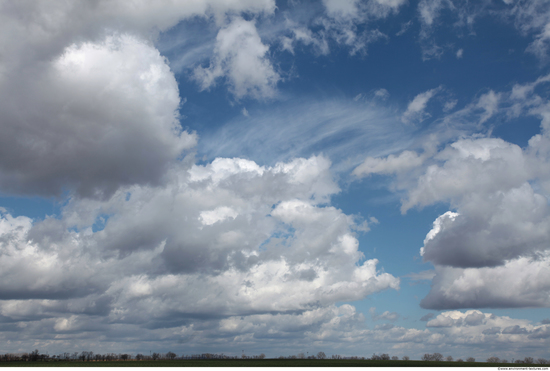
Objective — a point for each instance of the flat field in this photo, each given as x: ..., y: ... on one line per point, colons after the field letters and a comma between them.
x: 260, y: 363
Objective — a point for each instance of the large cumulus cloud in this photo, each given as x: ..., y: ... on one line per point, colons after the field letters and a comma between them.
x: 148, y: 241
x: 230, y: 238
x: 87, y: 101
x: 493, y: 251
x: 491, y: 248
x: 101, y: 115
x: 520, y: 282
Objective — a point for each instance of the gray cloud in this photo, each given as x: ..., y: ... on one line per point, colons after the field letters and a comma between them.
x: 521, y: 282
x: 88, y: 110
x: 506, y: 225
x: 540, y: 333
x: 68, y: 126
x: 515, y: 330
x: 229, y: 238
x: 427, y: 317
x: 491, y: 331
x: 499, y: 226
x: 386, y: 316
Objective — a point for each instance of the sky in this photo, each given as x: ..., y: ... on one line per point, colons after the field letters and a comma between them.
x: 277, y: 177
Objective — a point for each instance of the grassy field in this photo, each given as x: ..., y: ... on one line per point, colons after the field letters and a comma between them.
x: 262, y: 363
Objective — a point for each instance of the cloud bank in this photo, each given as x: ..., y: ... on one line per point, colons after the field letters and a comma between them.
x: 491, y: 249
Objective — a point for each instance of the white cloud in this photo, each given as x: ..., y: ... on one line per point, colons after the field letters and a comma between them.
x: 459, y: 53
x: 342, y: 8
x: 77, y: 77
x: 460, y: 19
x: 55, y: 140
x: 489, y: 103
x: 421, y: 276
x: 218, y: 214
x: 429, y: 10
x: 307, y: 37
x: 438, y: 224
x: 521, y: 282
x: 389, y: 165
x: 404, y: 28
x: 241, y: 57
x: 299, y: 127
x: 361, y: 10
x: 229, y: 239
x: 533, y: 17
x: 490, y: 230
x: 499, y: 223
x: 416, y: 108
x: 382, y: 94
x: 341, y: 25
x: 470, y: 166
x: 428, y: 13
x: 386, y: 316
x: 530, y: 18
x: 449, y: 105
x: 540, y: 46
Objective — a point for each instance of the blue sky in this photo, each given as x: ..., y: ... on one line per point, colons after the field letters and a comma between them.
x: 353, y: 177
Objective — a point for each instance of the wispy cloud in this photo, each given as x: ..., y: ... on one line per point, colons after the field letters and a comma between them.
x: 344, y: 130
x: 416, y: 110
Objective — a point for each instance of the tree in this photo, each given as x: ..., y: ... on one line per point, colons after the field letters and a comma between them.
x: 155, y: 356
x: 471, y: 359
x: 542, y: 361
x: 406, y: 358
x: 139, y: 357
x: 385, y: 357
x: 529, y: 360
x: 395, y: 358
x: 124, y: 357
x: 460, y: 360
x: 34, y: 355
x: 449, y: 358
x: 432, y: 357
x: 301, y: 355
x: 170, y: 355
x: 493, y: 360
x: 321, y: 355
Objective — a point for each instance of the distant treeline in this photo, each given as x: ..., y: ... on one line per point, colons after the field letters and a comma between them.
x: 36, y: 356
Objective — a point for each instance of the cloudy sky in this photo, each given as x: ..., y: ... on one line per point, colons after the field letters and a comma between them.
x: 353, y: 177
